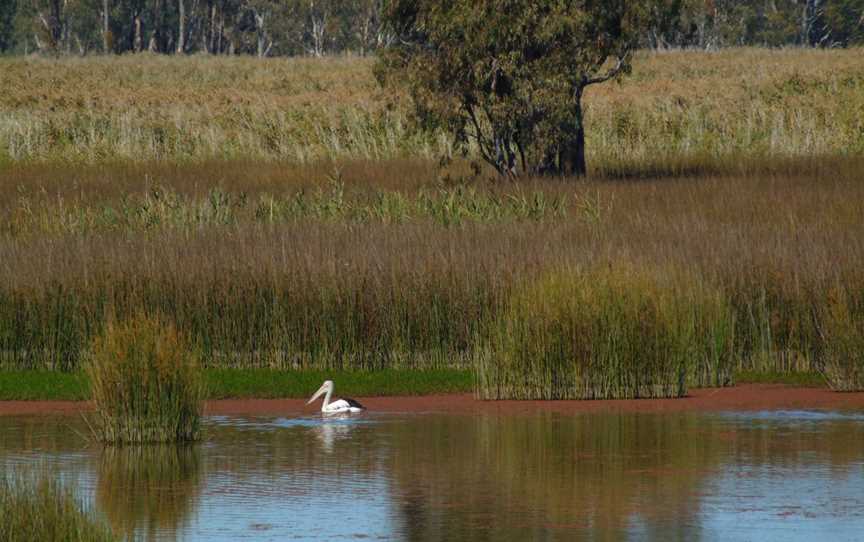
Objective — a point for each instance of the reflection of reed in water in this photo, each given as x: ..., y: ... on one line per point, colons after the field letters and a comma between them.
x: 581, y: 476
x: 149, y: 489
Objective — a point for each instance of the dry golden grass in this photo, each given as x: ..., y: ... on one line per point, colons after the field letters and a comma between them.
x: 676, y: 105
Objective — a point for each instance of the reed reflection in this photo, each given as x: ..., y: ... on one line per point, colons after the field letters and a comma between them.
x: 149, y: 492
x: 508, y: 478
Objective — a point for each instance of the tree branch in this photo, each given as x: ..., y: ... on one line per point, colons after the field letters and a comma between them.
x: 478, y: 136
x: 620, y: 64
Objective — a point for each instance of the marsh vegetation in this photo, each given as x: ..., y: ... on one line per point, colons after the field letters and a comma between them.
x: 145, y: 382
x: 287, y: 214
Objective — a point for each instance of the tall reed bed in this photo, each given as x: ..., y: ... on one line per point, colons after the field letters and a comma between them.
x: 840, y: 323
x: 761, y: 251
x: 612, y: 333
x: 145, y: 382
x: 37, y: 506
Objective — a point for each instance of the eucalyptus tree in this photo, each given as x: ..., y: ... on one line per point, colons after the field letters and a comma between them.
x: 508, y: 76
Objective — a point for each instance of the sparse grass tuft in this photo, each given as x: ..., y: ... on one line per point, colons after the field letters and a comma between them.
x: 146, y: 384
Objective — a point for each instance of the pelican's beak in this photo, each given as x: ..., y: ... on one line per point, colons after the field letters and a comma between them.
x: 318, y: 393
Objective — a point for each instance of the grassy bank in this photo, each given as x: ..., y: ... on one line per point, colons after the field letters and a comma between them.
x: 269, y: 384
x: 678, y: 105
x: 251, y: 383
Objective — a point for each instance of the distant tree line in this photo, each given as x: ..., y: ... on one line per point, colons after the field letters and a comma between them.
x: 322, y: 27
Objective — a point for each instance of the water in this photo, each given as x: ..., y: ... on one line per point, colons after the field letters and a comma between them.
x: 738, y: 476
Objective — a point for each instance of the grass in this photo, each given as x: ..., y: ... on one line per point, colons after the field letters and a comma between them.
x: 675, y: 107
x: 270, y: 384
x: 331, y: 293
x: 37, y: 506
x: 799, y: 379
x: 145, y: 383
x: 252, y: 383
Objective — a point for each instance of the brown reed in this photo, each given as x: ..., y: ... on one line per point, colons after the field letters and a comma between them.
x: 317, y: 292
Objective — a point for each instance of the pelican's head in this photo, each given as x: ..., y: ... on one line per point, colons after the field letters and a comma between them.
x: 325, y: 387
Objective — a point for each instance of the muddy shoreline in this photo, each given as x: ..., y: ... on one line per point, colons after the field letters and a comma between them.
x: 747, y: 397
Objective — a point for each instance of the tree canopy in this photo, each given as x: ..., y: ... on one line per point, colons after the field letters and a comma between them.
x: 317, y: 27
x: 507, y: 76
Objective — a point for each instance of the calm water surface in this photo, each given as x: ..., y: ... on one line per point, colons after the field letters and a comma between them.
x: 745, y: 476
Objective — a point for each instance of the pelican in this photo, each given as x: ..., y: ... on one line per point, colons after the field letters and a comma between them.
x: 339, y: 406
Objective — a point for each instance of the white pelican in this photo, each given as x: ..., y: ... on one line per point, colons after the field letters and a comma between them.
x: 339, y: 406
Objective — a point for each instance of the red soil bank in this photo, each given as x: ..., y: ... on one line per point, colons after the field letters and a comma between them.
x: 744, y: 397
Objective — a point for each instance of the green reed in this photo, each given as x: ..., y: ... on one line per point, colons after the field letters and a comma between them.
x: 615, y: 333
x: 841, y: 326
x: 145, y: 382
x: 160, y: 208
x: 39, y: 507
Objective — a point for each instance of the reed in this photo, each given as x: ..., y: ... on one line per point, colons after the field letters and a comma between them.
x: 841, y: 326
x: 606, y: 334
x: 313, y: 289
x: 145, y: 382
x: 39, y: 507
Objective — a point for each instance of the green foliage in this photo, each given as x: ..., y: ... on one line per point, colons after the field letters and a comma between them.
x: 39, y: 507
x: 508, y: 76
x: 146, y: 383
x: 799, y: 379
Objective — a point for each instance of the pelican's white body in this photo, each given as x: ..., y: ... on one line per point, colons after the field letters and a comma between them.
x: 339, y: 406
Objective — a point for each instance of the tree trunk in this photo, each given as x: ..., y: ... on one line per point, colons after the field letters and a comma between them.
x: 106, y: 31
x: 153, y: 45
x: 211, y: 40
x: 571, y: 155
x: 138, y: 41
x: 181, y: 27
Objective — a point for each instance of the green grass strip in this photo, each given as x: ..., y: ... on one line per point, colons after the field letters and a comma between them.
x: 265, y: 384
x: 43, y: 386
x: 799, y: 380
x: 252, y: 383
